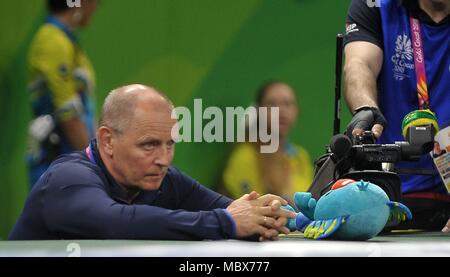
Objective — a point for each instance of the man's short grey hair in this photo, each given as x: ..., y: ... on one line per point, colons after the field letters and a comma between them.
x: 118, y: 110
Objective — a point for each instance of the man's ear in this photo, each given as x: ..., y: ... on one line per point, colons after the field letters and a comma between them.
x: 105, y: 140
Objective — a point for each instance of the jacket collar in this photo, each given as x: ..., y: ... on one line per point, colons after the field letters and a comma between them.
x: 57, y: 23
x: 118, y: 192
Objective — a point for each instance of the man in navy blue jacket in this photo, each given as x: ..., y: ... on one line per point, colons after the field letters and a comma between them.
x: 123, y: 186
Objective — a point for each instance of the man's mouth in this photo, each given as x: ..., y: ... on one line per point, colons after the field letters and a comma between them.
x: 157, y: 175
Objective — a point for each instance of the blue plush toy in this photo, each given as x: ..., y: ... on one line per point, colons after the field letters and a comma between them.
x: 349, y: 211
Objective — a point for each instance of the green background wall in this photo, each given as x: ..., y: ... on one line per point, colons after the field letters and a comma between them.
x: 217, y: 50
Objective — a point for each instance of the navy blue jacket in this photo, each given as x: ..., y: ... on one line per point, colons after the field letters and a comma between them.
x: 76, y: 198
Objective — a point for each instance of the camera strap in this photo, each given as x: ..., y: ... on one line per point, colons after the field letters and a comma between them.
x: 419, y: 64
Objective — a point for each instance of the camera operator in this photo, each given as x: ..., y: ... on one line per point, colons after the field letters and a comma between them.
x: 386, y: 77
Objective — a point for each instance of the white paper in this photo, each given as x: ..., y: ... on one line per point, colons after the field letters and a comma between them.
x: 441, y: 155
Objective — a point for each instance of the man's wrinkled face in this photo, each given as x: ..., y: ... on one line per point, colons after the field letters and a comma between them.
x: 143, y: 152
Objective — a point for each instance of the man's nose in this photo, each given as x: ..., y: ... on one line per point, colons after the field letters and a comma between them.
x: 164, y: 157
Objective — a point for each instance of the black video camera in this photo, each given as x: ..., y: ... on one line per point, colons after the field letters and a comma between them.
x: 363, y: 159
x: 420, y: 140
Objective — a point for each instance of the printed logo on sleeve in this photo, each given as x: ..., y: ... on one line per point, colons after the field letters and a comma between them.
x: 351, y: 28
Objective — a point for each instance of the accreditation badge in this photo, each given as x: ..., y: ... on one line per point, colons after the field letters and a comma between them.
x: 441, y: 155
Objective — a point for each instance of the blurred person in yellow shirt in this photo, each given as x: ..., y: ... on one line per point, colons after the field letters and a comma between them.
x: 61, y: 86
x: 284, y: 172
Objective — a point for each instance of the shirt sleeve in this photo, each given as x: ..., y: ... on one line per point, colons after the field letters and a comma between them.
x: 52, y: 57
x: 193, y: 196
x: 364, y: 23
x: 83, y: 209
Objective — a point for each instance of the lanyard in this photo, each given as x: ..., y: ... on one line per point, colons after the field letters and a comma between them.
x: 90, y: 154
x: 419, y: 64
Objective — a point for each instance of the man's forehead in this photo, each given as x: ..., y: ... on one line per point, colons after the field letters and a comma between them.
x: 154, y: 119
x: 151, y: 130
x: 158, y: 120
x: 154, y: 113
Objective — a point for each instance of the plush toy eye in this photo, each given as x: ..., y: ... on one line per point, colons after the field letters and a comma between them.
x: 342, y: 183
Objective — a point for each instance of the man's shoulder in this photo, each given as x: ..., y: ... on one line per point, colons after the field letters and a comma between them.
x: 365, y: 5
x: 175, y: 175
x: 376, y: 4
x: 50, y: 37
x: 73, y: 168
x: 177, y: 180
x: 364, y: 23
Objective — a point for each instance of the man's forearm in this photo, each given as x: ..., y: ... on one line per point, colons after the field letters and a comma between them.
x: 360, y: 85
x: 362, y: 65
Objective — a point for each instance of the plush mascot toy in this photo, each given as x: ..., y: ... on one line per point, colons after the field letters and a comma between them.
x: 349, y: 211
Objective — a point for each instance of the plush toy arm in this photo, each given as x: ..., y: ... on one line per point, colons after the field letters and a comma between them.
x: 291, y: 221
x: 299, y: 223
x: 302, y: 222
x: 399, y: 213
x: 322, y: 229
x: 305, y: 203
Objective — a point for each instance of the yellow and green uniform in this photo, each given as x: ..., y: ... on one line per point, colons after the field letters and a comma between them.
x: 61, y: 85
x: 243, y: 172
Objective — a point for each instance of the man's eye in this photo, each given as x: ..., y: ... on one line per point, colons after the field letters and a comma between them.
x: 150, y: 145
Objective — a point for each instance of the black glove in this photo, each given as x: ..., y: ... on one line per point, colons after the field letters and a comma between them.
x: 364, y: 118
